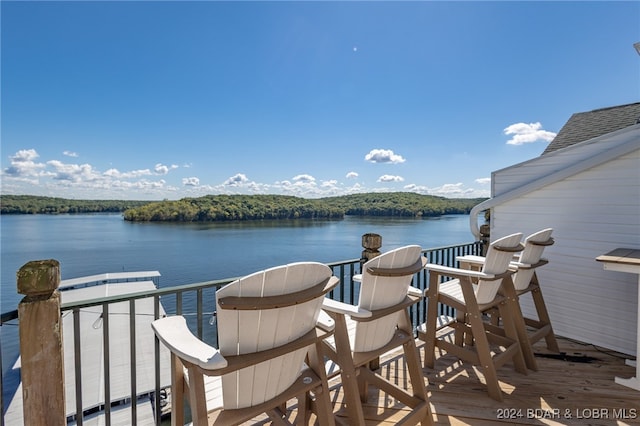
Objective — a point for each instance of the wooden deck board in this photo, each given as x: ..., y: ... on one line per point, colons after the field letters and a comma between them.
x: 561, y: 392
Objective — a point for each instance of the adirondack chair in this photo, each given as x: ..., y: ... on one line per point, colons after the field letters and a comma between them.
x: 525, y: 280
x: 270, y: 329
x: 470, y: 293
x: 380, y: 322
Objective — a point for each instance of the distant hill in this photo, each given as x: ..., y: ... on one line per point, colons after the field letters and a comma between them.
x: 213, y: 208
x: 257, y: 207
x: 29, y: 204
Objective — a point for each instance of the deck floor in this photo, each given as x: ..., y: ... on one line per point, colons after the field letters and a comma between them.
x: 576, y: 390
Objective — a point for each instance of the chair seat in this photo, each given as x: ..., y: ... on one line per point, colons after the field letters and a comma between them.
x: 451, y: 291
x: 333, y: 369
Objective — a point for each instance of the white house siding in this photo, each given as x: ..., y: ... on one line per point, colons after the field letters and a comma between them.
x: 592, y: 212
x: 515, y: 176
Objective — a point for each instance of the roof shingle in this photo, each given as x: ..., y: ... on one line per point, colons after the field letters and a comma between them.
x: 583, y: 126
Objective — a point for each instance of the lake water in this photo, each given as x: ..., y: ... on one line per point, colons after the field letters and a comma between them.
x: 91, y: 244
x: 188, y: 253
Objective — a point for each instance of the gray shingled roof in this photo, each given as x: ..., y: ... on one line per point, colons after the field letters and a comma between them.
x: 583, y: 126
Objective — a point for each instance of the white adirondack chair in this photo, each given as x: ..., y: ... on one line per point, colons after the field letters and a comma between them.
x: 269, y: 337
x: 379, y: 323
x: 470, y: 293
x: 525, y: 280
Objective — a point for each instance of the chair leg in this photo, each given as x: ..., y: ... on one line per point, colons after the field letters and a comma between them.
x: 484, y: 356
x: 482, y: 348
x: 510, y: 331
x: 543, y: 317
x: 517, y: 324
x: 177, y: 392
x: 197, y: 397
x: 431, y: 322
x: 347, y: 372
x: 324, y: 410
x: 412, y: 358
x: 460, y: 337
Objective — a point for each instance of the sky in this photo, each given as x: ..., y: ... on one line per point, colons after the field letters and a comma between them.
x: 165, y: 100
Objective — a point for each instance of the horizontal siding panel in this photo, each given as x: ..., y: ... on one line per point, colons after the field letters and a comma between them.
x: 508, y: 179
x: 592, y: 212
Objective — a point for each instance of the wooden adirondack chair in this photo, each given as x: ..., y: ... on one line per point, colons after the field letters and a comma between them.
x: 380, y: 322
x: 525, y: 280
x: 269, y: 337
x: 470, y: 293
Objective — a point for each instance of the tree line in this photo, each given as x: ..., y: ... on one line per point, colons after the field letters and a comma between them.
x: 213, y: 208
x: 29, y: 204
x: 257, y: 207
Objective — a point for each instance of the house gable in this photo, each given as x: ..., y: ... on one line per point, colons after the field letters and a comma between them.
x: 586, y: 186
x: 583, y: 126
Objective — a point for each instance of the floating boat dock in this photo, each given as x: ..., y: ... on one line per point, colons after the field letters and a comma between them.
x: 92, y: 343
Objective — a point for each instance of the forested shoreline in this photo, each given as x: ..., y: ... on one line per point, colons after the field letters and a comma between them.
x: 31, y: 204
x: 212, y: 208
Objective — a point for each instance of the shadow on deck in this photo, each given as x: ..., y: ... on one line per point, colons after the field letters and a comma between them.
x: 576, y: 388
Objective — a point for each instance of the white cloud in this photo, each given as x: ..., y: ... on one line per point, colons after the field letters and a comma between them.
x: 73, y: 172
x: 191, y: 181
x: 390, y: 178
x: 26, y: 175
x: 449, y: 190
x: 236, y: 180
x: 304, y: 179
x: 383, y: 156
x: 70, y: 154
x: 161, y: 169
x: 527, y: 133
x: 23, y: 164
x: 57, y: 178
x: 116, y: 174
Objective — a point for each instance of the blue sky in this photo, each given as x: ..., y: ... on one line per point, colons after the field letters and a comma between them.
x: 165, y: 100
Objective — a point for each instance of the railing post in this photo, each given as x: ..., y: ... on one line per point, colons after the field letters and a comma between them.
x: 371, y: 244
x: 41, y: 348
x: 485, y: 237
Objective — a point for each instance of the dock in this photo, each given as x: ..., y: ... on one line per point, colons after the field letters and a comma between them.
x: 93, y: 351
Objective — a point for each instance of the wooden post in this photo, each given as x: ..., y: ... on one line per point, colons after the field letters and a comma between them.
x: 41, y: 349
x: 371, y: 244
x: 485, y: 237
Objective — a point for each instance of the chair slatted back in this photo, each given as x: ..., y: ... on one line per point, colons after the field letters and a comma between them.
x: 249, y: 331
x: 499, y: 255
x: 377, y: 292
x: 534, y: 245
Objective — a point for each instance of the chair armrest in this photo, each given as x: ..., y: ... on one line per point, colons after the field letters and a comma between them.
x: 469, y: 258
x: 513, y: 265
x: 344, y: 308
x: 357, y: 278
x: 174, y: 334
x: 520, y: 265
x: 416, y: 292
x: 325, y: 321
x: 464, y: 273
x: 383, y: 312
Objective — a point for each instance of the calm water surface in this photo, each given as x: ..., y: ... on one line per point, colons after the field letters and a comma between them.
x: 191, y: 253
